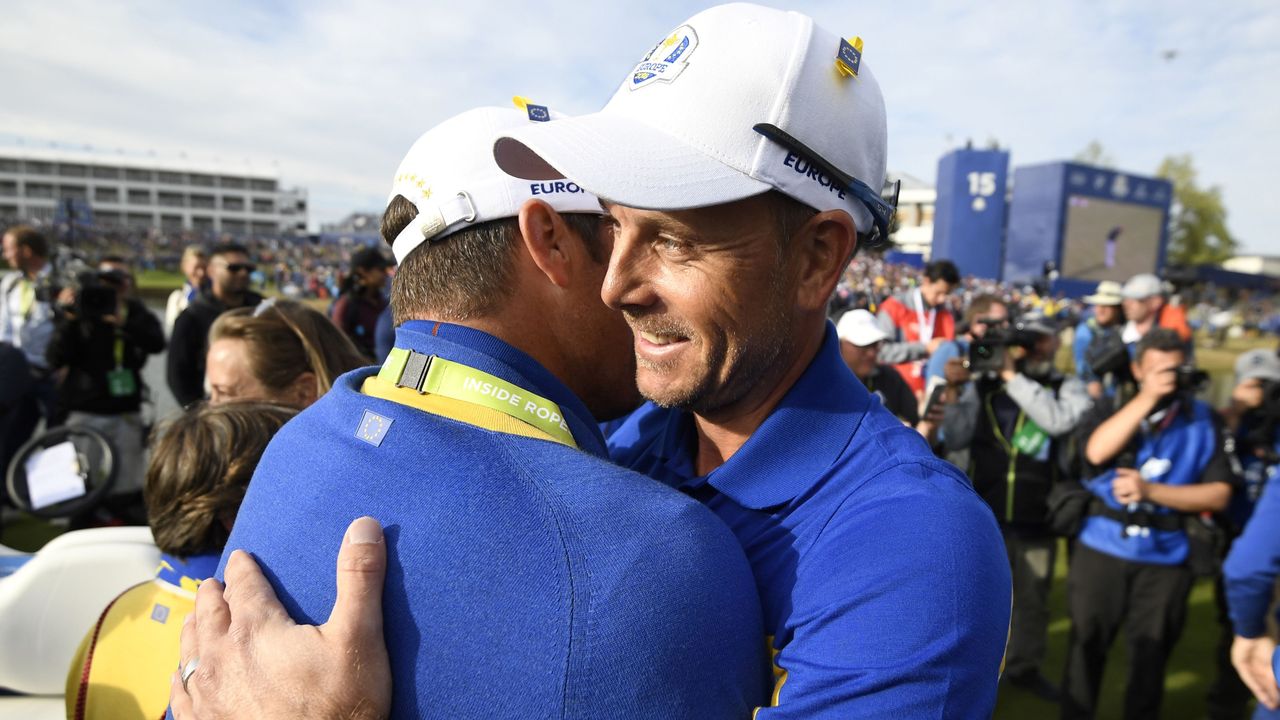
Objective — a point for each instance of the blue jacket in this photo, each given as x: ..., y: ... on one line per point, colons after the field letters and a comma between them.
x: 883, y: 576
x: 526, y: 579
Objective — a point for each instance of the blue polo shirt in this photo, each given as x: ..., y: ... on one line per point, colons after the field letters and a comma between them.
x: 526, y: 578
x: 882, y: 574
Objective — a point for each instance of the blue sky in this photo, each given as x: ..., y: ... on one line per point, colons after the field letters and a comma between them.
x: 333, y: 93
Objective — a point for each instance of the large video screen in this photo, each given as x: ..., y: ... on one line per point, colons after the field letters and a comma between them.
x: 1108, y: 240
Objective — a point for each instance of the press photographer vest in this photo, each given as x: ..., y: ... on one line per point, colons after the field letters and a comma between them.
x: 1012, y: 467
x: 1176, y: 455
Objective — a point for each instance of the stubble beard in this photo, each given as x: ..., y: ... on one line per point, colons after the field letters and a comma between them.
x: 729, y: 370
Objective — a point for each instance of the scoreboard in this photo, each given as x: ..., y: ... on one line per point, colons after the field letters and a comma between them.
x: 969, y: 213
x: 1093, y: 223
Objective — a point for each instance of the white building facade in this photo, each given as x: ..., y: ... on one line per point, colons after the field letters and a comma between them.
x: 139, y: 193
x: 916, y: 202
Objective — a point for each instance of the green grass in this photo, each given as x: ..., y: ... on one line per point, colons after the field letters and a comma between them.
x: 160, y: 280
x: 27, y: 532
x: 1191, y: 668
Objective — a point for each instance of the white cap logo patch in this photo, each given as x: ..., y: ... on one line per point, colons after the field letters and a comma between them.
x: 666, y: 60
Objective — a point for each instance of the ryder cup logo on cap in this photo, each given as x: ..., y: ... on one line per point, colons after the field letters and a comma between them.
x: 666, y: 60
x: 451, y: 178
x: 738, y: 100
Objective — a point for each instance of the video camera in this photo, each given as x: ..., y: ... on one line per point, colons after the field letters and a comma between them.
x: 97, y: 292
x: 987, y: 353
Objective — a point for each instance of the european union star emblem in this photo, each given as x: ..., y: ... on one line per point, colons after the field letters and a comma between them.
x: 849, y: 59
x: 160, y: 613
x: 538, y: 113
x: 373, y: 428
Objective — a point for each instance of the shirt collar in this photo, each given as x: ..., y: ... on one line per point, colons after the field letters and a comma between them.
x: 803, y: 436
x: 483, y: 351
x: 197, y: 568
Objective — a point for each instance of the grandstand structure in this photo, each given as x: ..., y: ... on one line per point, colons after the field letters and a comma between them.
x: 915, y: 215
x: 45, y: 185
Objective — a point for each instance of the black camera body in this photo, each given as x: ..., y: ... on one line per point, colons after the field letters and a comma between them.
x: 1191, y: 379
x: 96, y: 300
x: 1108, y: 355
x: 987, y: 353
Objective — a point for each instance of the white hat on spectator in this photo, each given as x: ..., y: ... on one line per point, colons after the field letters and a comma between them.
x: 859, y: 327
x: 1141, y: 287
x: 1108, y: 292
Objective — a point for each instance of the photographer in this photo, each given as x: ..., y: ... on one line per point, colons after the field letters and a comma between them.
x: 1249, y: 574
x: 1156, y: 458
x: 103, y: 339
x: 1011, y: 419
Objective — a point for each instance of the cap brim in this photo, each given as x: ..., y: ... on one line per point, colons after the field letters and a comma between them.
x: 623, y: 161
x: 1102, y: 299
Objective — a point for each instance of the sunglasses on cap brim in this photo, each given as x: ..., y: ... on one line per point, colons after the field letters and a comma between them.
x: 881, y: 205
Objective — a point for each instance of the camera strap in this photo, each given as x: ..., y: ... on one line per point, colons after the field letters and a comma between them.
x: 121, y: 382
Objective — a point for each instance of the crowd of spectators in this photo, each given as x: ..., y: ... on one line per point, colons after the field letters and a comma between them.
x: 1056, y: 450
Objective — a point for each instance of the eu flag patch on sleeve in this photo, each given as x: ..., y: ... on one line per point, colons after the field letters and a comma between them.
x: 538, y: 113
x: 373, y: 428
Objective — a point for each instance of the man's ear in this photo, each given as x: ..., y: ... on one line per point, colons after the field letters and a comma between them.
x: 822, y: 248
x: 545, y: 237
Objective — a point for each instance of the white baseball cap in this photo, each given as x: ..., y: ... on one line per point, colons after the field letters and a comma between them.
x: 859, y: 327
x: 451, y: 178
x: 738, y: 100
x: 1142, y: 286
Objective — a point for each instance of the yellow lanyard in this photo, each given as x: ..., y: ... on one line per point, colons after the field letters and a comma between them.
x: 119, y: 348
x: 26, y: 297
x: 405, y: 370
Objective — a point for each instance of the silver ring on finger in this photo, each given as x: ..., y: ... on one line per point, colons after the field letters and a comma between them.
x: 188, y: 670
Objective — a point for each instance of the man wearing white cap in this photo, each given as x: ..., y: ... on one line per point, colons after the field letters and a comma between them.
x: 738, y: 164
x: 860, y: 340
x: 1105, y: 319
x: 1145, y: 308
x: 526, y: 575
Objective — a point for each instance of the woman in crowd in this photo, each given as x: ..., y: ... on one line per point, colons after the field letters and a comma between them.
x: 199, y: 470
x: 282, y: 352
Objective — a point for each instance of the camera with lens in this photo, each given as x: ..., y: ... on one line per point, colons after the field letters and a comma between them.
x: 1108, y: 355
x: 97, y: 298
x: 987, y: 353
x: 1191, y: 379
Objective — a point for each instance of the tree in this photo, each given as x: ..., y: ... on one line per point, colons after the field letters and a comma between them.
x: 1198, y: 232
x: 1096, y: 155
